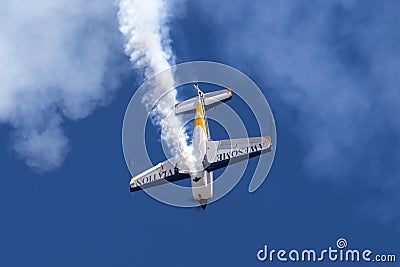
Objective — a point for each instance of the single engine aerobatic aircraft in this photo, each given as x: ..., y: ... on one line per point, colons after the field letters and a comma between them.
x: 209, y: 155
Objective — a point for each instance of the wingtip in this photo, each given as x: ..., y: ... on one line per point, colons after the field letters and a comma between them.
x: 268, y: 138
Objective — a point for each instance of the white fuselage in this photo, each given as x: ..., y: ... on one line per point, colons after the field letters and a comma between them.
x: 202, y: 180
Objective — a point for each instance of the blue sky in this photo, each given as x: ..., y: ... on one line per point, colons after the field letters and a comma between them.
x: 330, y: 73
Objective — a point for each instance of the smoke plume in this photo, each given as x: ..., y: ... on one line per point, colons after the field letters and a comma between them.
x: 145, y: 27
x: 54, y: 57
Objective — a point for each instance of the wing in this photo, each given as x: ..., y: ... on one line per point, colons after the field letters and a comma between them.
x: 225, y: 152
x: 167, y: 171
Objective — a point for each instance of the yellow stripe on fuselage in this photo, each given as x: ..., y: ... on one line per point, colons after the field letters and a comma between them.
x: 199, y: 120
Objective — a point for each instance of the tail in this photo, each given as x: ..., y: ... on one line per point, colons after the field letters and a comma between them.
x: 199, y: 92
x: 211, y: 100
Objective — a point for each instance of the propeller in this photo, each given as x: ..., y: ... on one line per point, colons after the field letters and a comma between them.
x: 200, y: 207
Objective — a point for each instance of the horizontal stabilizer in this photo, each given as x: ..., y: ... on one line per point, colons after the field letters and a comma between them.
x: 211, y: 100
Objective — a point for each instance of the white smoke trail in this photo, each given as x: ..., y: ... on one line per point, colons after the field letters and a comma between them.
x: 144, y: 25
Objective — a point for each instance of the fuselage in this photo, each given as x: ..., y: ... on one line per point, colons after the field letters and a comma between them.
x: 202, y: 180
